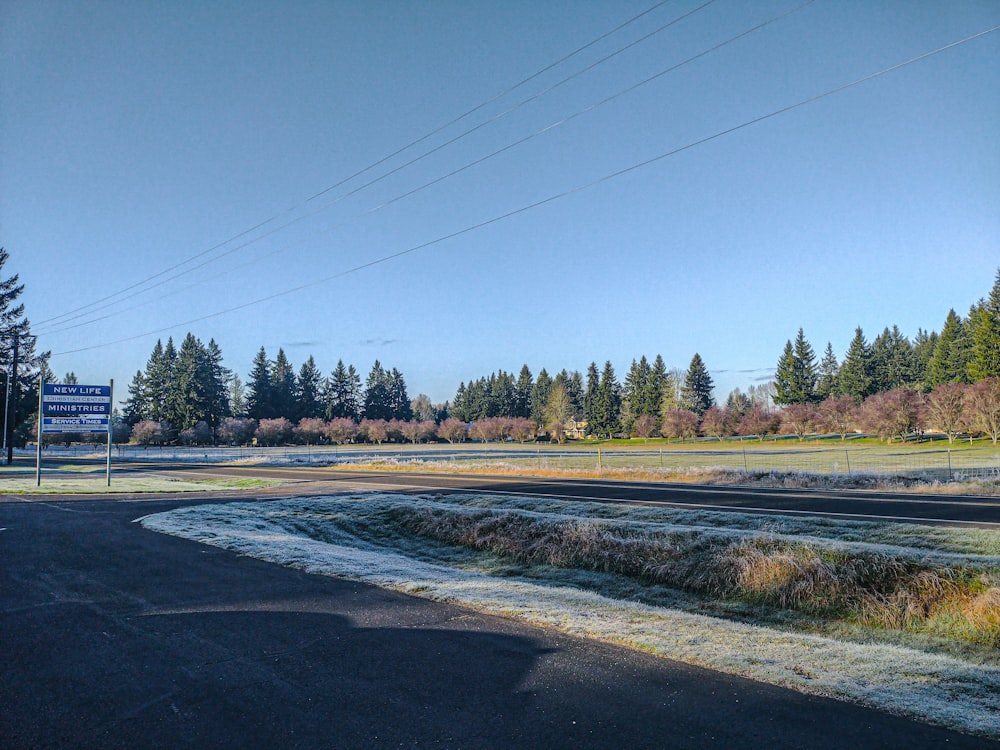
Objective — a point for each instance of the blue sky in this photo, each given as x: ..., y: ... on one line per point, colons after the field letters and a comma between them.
x: 137, y: 136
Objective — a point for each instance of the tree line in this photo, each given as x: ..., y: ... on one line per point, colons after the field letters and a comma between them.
x: 186, y: 394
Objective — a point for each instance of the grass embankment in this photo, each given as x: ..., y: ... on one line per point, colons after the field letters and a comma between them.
x: 903, y: 617
x: 826, y: 586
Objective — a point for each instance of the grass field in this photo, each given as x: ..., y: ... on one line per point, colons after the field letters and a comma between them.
x: 902, y: 617
x: 91, y: 479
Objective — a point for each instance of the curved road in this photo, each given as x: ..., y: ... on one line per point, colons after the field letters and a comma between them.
x: 855, y: 504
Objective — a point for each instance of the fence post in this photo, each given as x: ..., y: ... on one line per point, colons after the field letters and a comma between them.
x: 745, y: 468
x: 949, y: 465
x: 600, y: 467
x: 847, y: 454
x: 661, y: 458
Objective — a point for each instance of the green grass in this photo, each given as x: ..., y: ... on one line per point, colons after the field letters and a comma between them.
x: 19, y: 483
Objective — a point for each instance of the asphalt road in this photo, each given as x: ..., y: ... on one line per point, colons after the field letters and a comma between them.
x: 115, y: 636
x: 909, y: 507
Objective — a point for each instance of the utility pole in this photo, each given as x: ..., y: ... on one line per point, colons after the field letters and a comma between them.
x: 9, y: 410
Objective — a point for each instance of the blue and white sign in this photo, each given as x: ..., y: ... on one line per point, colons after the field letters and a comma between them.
x: 75, y: 400
x: 75, y: 424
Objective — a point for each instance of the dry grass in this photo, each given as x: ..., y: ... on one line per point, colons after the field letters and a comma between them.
x: 873, y: 589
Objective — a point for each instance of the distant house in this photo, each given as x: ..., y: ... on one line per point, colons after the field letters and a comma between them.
x: 575, y: 427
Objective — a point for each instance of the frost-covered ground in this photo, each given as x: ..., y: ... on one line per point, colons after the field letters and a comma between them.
x: 341, y: 536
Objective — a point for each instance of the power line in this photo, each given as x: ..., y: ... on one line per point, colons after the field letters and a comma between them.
x: 552, y: 198
x: 347, y: 179
x: 468, y: 165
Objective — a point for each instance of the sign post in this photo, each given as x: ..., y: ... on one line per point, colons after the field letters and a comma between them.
x: 73, y: 408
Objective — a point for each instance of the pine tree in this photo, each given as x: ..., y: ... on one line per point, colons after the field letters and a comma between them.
x: 191, y: 391
x: 540, y: 396
x: 283, y: 387
x: 855, y: 378
x: 827, y: 380
x: 259, y: 397
x: 522, y: 393
x: 950, y: 361
x: 378, y: 404
x: 697, y: 392
x: 399, y: 400
x: 220, y: 377
x: 634, y: 391
x: 159, y: 373
x: 784, y: 376
x: 237, y: 397
x: 310, y: 383
x: 984, y: 357
x: 892, y: 361
x: 343, y: 393
x: 652, y: 396
x: 608, y: 404
x: 923, y: 350
x: 590, y: 395
x: 135, y: 406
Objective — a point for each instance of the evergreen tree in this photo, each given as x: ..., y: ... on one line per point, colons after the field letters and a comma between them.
x: 343, y: 399
x: 827, y: 380
x: 855, y: 378
x: 378, y: 401
x: 795, y: 376
x: 652, y: 396
x: 572, y: 383
x: 159, y: 373
x: 634, y: 391
x: 784, y: 376
x: 522, y: 393
x: 310, y: 383
x: 590, y: 395
x: 237, y: 397
x: 540, y: 396
x: 191, y: 391
x: 697, y: 392
x: 260, y: 403
x: 949, y: 363
x: 220, y: 376
x: 283, y: 387
x: 923, y: 350
x: 459, y: 405
x: 135, y: 406
x: 892, y: 361
x: 607, y: 404
x: 399, y: 401
x: 984, y: 355
x: 70, y: 379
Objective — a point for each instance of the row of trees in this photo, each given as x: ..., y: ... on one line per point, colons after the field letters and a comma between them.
x: 185, y: 387
x: 950, y: 408
x: 966, y: 351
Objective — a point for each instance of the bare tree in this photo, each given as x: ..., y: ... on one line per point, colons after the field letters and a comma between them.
x: 720, y: 423
x: 680, y: 423
x: 983, y: 400
x: 309, y: 430
x: 798, y: 420
x: 947, y: 409
x: 758, y: 422
x: 838, y: 414
x: 374, y: 430
x: 341, y: 430
x: 273, y: 431
x: 453, y: 430
x: 895, y: 413
x: 645, y: 427
x: 522, y: 429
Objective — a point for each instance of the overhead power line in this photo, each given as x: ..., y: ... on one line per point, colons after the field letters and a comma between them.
x: 552, y: 198
x: 468, y: 165
x: 345, y: 180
